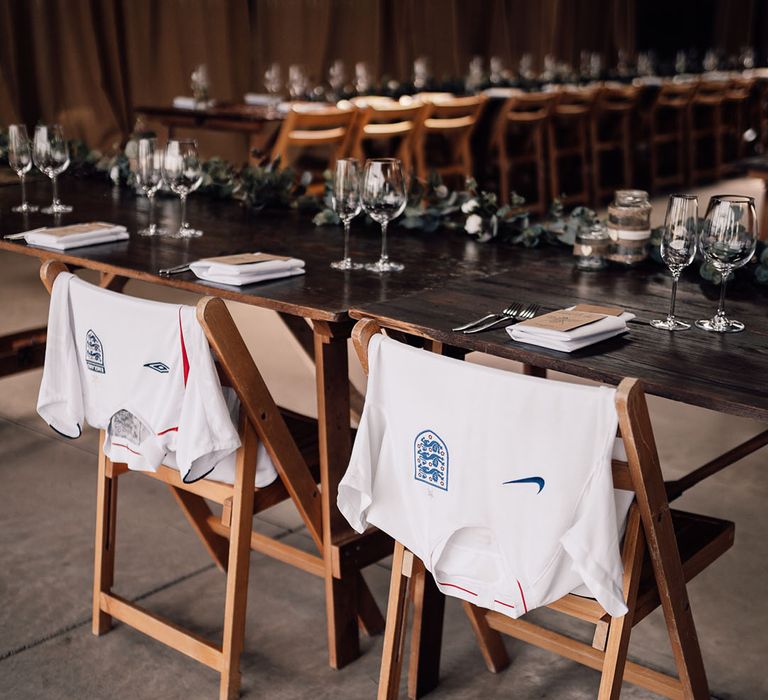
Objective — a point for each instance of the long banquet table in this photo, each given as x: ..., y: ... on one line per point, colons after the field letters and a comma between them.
x: 449, y: 278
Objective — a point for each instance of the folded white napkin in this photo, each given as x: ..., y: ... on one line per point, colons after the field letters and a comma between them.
x: 183, y: 102
x: 76, y: 235
x: 260, y: 99
x: 575, y: 339
x: 245, y: 269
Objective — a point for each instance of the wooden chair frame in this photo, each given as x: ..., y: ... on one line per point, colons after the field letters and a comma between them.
x: 708, y: 98
x: 455, y: 119
x: 330, y: 127
x: 261, y: 420
x: 652, y: 538
x: 380, y: 121
x: 530, y: 111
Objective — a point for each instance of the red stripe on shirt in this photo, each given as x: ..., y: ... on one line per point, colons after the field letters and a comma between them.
x: 453, y: 585
x: 500, y: 602
x: 522, y: 595
x: 169, y: 430
x: 184, y: 357
x: 120, y: 444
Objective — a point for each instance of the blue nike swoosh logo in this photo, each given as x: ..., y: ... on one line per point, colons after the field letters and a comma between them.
x: 528, y: 480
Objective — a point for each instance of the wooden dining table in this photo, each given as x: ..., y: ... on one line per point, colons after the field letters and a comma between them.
x: 449, y: 278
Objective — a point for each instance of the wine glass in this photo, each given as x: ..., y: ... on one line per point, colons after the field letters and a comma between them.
x: 298, y: 83
x: 678, y: 248
x: 384, y: 199
x: 50, y: 153
x: 273, y: 81
x: 183, y: 172
x: 728, y: 240
x: 20, y: 159
x: 347, y: 204
x: 148, y: 173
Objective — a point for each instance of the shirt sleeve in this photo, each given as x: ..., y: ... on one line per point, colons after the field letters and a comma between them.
x: 593, y: 542
x: 355, y: 493
x: 206, y: 434
x: 60, y: 400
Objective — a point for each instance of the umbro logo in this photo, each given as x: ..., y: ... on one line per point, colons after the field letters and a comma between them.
x: 158, y: 367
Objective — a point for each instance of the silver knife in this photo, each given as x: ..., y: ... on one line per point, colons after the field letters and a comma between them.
x: 168, y: 271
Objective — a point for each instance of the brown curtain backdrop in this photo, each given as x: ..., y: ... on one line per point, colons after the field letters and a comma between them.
x: 89, y: 63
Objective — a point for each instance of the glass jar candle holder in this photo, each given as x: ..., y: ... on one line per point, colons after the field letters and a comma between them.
x: 592, y: 247
x: 629, y: 226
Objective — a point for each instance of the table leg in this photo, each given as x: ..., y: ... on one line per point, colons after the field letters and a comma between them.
x: 341, y: 594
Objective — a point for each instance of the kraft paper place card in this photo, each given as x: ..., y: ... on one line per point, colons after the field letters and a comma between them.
x: 562, y: 320
x: 78, y: 229
x: 245, y: 258
x: 595, y: 309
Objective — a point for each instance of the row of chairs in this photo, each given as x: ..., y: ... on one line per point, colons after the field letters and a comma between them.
x: 580, y: 144
x: 381, y: 126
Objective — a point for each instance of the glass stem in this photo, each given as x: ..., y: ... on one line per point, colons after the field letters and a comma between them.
x: 721, y: 306
x: 384, y: 254
x: 23, y: 192
x: 183, y: 211
x: 151, y: 197
x: 347, y: 224
x: 55, y: 191
x: 675, y: 277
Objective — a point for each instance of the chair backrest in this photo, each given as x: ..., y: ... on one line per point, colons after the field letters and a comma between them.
x: 388, y: 122
x: 576, y: 102
x: 237, y: 368
x: 306, y: 127
x: 453, y: 115
x: 676, y: 95
x: 615, y: 97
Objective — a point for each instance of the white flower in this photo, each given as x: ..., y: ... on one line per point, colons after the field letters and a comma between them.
x: 469, y: 206
x: 441, y: 191
x: 474, y: 224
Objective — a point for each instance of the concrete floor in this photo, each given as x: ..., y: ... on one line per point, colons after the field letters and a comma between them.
x: 47, y: 651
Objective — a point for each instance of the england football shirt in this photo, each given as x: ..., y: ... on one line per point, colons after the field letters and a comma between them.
x: 500, y: 483
x: 143, y: 372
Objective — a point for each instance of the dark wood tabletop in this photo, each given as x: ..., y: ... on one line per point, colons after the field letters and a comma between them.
x: 237, y: 116
x: 727, y: 373
x: 322, y: 293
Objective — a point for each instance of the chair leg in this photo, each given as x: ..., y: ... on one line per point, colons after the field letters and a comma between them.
x: 489, y: 640
x: 541, y: 171
x: 238, y: 566
x: 104, y: 558
x: 394, y: 633
x: 621, y: 628
x: 426, y: 632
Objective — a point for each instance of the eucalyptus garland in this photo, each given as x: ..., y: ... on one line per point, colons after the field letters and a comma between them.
x: 431, y: 205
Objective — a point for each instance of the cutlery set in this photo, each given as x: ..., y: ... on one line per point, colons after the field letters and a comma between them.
x: 514, y: 313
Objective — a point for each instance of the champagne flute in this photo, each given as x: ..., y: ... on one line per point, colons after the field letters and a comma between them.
x: 148, y: 172
x: 20, y: 159
x: 678, y: 248
x: 347, y: 204
x: 183, y: 172
x: 50, y: 153
x: 384, y: 199
x: 728, y: 240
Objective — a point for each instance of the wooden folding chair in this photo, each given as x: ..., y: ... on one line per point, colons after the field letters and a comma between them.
x: 705, y: 131
x: 662, y: 550
x: 518, y: 141
x: 453, y: 120
x: 667, y: 125
x: 290, y: 441
x: 389, y: 124
x: 325, y: 132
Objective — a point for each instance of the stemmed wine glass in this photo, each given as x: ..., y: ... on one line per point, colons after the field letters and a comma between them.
x: 20, y: 159
x: 728, y: 240
x: 273, y: 81
x: 183, y: 172
x: 148, y: 172
x: 384, y: 199
x: 50, y: 153
x: 347, y: 204
x: 678, y: 248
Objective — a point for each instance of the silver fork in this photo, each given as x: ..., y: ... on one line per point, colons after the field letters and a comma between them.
x: 168, y: 271
x: 522, y: 314
x: 511, y: 309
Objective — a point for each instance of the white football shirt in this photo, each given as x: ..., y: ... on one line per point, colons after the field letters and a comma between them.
x: 500, y: 483
x: 143, y: 372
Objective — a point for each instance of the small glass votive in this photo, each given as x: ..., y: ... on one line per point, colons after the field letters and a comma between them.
x: 592, y: 247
